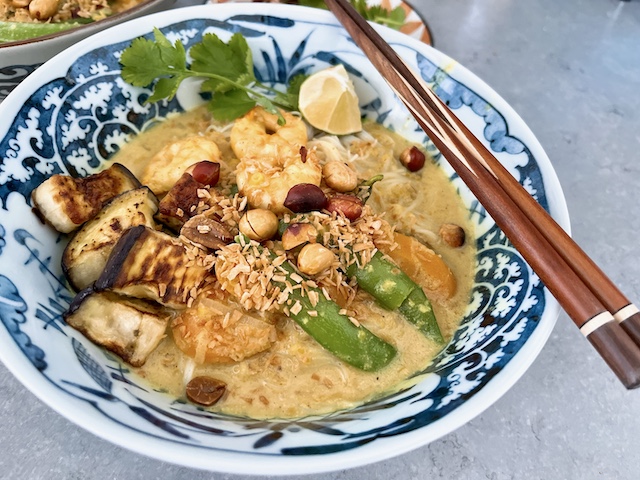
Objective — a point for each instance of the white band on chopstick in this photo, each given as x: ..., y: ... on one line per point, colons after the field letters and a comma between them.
x: 625, y: 312
x: 595, y: 323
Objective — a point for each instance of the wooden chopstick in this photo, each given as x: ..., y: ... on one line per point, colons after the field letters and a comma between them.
x: 624, y: 312
x: 580, y: 287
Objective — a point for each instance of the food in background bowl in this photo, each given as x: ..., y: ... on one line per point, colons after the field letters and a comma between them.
x: 24, y: 19
x: 24, y: 46
x: 75, y: 115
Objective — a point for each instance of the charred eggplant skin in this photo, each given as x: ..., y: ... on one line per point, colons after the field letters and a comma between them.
x: 66, y: 202
x: 118, y: 256
x: 77, y: 301
x: 86, y: 253
x: 149, y: 264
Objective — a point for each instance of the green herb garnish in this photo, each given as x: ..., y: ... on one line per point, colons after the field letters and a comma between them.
x: 227, y: 70
x: 376, y: 13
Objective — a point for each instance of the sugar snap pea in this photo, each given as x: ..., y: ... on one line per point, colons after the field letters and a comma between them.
x: 351, y: 343
x: 15, y: 31
x: 394, y: 290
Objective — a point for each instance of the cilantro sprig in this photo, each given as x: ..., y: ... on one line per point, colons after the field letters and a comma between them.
x: 226, y: 70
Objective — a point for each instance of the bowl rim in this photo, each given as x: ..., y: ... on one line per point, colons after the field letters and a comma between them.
x: 250, y: 463
x: 85, y: 28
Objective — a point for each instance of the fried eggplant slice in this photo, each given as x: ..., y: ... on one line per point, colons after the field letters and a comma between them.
x: 152, y: 265
x: 66, y: 202
x: 128, y: 327
x: 86, y: 254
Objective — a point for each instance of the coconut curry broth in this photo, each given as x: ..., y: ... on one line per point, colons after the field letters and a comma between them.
x: 296, y: 376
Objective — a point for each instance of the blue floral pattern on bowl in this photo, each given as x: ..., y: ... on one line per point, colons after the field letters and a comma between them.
x: 73, y: 123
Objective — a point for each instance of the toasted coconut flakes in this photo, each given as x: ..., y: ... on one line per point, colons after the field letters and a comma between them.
x: 314, y: 297
x: 203, y: 193
x: 203, y: 228
x: 312, y: 313
x: 279, y: 260
x: 282, y: 298
x: 296, y: 309
x: 354, y: 321
x: 247, y: 270
x: 359, y: 247
x: 288, y: 287
x: 162, y: 289
x: 180, y: 212
x: 343, y: 311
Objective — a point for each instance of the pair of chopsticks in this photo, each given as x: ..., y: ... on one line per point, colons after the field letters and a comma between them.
x: 602, y: 313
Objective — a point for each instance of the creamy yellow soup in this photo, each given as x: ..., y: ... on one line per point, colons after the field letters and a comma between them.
x: 296, y: 377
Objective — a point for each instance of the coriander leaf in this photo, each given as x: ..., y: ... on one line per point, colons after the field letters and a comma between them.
x: 286, y: 101
x: 230, y: 105
x: 392, y: 18
x: 166, y: 87
x: 214, y: 56
x: 226, y: 68
x: 173, y: 55
x: 362, y: 8
x: 240, y: 47
x: 290, y: 98
x: 142, y: 63
x: 398, y: 17
x: 223, y: 85
x: 295, y: 82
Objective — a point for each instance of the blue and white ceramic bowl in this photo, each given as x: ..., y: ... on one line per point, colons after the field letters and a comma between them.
x: 74, y: 114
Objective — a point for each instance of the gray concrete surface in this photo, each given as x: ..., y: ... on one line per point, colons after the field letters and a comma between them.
x: 572, y: 70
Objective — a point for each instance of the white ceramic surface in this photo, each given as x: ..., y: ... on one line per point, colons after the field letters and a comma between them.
x: 72, y: 114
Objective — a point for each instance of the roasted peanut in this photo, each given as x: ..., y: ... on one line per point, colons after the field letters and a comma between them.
x: 412, y: 158
x: 348, y: 205
x: 452, y: 234
x: 339, y: 176
x: 43, y: 9
x: 259, y: 224
x: 305, y: 197
x: 314, y: 258
x: 298, y: 234
x: 20, y: 3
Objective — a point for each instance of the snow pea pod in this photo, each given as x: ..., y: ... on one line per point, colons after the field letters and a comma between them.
x: 16, y: 31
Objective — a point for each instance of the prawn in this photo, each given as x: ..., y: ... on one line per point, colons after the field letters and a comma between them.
x: 167, y: 166
x: 273, y: 158
x: 258, y: 135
